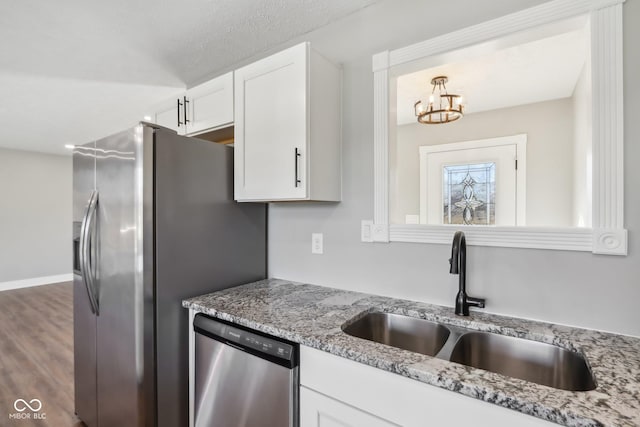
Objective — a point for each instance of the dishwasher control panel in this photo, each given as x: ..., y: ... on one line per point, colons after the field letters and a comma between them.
x: 243, y: 338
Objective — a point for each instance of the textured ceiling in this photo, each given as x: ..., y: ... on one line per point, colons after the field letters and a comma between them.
x: 536, y: 71
x: 74, y: 70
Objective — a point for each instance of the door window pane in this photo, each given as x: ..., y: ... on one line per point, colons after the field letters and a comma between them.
x: 469, y: 194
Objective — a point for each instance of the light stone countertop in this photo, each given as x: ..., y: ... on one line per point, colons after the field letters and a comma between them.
x: 313, y: 316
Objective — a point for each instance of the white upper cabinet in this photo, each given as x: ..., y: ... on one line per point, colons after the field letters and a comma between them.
x: 210, y: 105
x: 170, y: 114
x: 287, y: 128
x: 201, y: 108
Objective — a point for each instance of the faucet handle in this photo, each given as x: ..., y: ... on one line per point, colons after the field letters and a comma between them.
x: 475, y: 302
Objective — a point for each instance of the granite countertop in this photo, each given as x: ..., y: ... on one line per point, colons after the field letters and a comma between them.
x: 313, y: 316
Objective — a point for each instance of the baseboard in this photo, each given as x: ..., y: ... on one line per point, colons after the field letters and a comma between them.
x: 35, y: 281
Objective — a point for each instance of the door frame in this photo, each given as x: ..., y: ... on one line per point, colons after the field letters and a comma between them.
x: 519, y: 140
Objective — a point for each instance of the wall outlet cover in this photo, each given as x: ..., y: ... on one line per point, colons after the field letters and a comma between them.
x: 317, y: 243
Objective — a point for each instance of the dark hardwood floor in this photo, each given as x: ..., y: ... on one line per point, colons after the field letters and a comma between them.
x: 36, y: 354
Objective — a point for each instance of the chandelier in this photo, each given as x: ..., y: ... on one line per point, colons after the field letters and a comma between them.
x: 443, y: 107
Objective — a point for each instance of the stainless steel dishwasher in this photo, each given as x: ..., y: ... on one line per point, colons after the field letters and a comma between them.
x: 243, y: 378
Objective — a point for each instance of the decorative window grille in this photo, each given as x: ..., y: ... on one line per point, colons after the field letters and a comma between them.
x: 469, y: 194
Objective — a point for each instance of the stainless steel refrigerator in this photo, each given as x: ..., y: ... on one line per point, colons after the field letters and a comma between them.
x: 154, y: 223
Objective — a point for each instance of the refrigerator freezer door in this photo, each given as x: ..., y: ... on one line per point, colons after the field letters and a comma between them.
x: 84, y: 321
x: 125, y: 357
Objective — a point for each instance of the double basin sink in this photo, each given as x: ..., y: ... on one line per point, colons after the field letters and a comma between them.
x: 533, y: 361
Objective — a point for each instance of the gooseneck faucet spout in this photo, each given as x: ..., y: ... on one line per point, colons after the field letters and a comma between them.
x: 458, y: 262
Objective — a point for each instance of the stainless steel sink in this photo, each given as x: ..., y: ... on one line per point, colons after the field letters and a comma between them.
x: 408, y: 333
x: 533, y: 361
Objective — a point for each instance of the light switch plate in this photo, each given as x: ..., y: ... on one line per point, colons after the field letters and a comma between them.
x: 366, y: 230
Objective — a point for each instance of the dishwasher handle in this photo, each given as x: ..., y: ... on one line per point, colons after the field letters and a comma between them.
x: 282, y: 352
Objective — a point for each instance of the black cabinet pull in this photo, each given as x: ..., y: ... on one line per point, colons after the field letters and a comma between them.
x: 179, y: 105
x: 186, y: 101
x: 297, y: 156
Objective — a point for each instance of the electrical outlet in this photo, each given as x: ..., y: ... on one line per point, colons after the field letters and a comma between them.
x: 316, y: 243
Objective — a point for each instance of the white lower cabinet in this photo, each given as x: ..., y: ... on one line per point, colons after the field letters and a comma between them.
x: 337, y: 392
x: 318, y: 410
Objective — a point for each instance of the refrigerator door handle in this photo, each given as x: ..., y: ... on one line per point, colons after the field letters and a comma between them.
x: 86, y: 232
x: 81, y: 258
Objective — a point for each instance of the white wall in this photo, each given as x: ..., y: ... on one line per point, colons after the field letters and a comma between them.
x: 35, y: 216
x: 550, y: 179
x: 573, y: 288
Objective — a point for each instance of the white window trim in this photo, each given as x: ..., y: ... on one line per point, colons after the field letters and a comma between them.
x: 608, y: 235
x: 520, y: 141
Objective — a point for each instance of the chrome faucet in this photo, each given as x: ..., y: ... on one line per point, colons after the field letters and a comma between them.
x: 458, y: 263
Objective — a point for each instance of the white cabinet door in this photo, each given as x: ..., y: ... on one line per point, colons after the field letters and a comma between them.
x: 397, y: 399
x: 317, y: 410
x: 210, y: 105
x: 271, y: 127
x: 204, y: 107
x: 170, y: 114
x: 287, y: 128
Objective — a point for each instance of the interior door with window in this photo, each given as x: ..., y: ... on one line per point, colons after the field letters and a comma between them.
x: 474, y: 182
